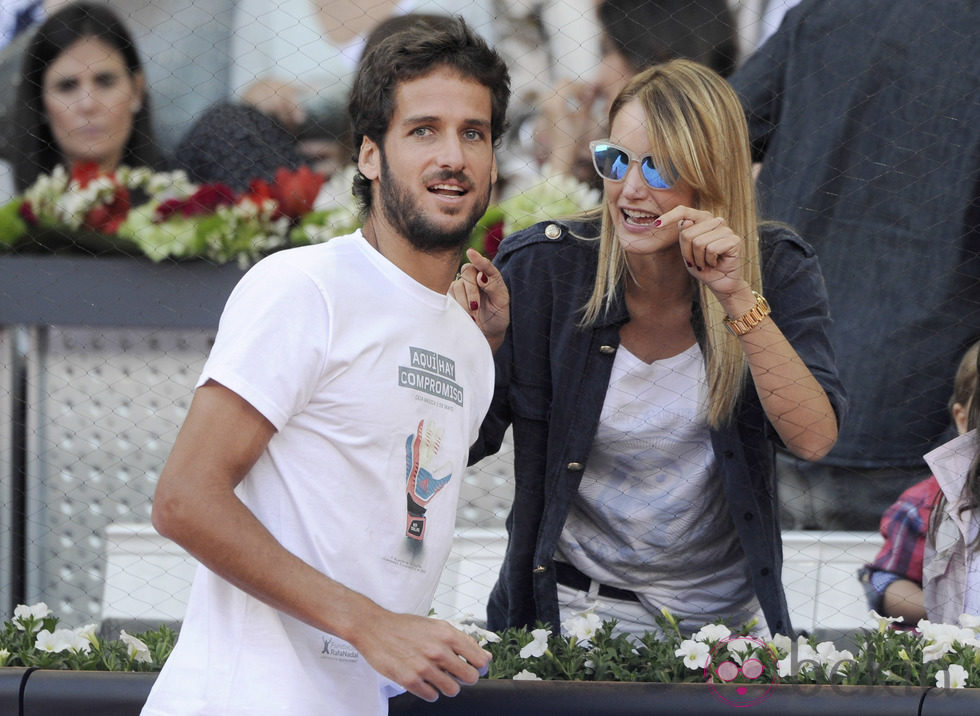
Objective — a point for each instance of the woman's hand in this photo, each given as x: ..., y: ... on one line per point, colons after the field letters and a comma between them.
x: 712, y: 252
x: 481, y: 291
x: 795, y: 403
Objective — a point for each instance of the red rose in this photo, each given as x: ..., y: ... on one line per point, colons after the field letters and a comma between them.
x: 296, y: 191
x: 293, y: 192
x: 85, y: 172
x: 204, y: 201
x: 26, y: 212
x: 107, y: 218
x: 491, y: 242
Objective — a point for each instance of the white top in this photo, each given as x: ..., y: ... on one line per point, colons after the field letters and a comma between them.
x: 376, y: 387
x: 651, y: 515
x: 284, y: 39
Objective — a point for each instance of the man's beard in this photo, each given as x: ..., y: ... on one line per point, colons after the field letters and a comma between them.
x: 414, y: 224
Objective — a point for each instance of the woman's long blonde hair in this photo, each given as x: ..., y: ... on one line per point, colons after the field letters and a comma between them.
x: 698, y: 136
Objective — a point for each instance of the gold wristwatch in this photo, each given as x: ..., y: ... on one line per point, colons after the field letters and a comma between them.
x: 751, y: 318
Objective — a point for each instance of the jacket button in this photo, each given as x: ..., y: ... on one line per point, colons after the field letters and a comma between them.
x: 764, y: 571
x: 552, y: 231
x: 606, y: 350
x: 575, y: 466
x: 540, y: 569
x: 748, y: 516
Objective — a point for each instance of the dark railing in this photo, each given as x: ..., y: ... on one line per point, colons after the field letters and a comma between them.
x: 30, y: 692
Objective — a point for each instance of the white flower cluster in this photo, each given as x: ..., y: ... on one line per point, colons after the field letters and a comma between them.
x: 58, y: 200
x: 696, y: 651
x: 24, y: 614
x: 941, y: 639
x: 581, y: 627
x: 803, y: 659
x: 78, y: 640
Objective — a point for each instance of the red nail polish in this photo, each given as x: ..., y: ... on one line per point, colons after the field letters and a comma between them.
x: 474, y: 305
x: 484, y: 278
x: 657, y: 222
x: 689, y: 264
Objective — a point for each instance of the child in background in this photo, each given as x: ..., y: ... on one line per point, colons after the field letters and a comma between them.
x: 893, y: 582
x: 950, y: 572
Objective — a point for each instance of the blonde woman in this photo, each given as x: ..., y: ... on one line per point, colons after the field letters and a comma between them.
x: 657, y: 351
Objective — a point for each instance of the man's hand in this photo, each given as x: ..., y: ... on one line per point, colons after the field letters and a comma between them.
x: 481, y: 291
x: 426, y: 656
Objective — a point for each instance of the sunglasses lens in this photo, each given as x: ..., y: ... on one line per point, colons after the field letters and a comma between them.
x: 652, y: 176
x: 611, y: 162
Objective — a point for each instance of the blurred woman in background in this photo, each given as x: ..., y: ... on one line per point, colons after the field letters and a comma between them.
x: 81, y: 97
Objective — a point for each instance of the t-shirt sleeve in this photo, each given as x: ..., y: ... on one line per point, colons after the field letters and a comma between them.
x: 272, y: 339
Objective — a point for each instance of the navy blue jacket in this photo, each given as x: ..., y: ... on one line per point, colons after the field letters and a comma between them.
x: 552, y: 377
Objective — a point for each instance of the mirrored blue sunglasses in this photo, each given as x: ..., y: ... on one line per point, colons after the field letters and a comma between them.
x: 613, y: 162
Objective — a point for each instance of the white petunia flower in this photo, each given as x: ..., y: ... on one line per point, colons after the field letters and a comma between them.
x: 969, y: 621
x: 582, y: 626
x: 739, y: 648
x: 526, y: 675
x: 538, y: 645
x: 482, y: 636
x: 940, y: 639
x: 883, y: 622
x: 57, y: 641
x: 696, y: 654
x: 953, y: 678
x: 781, y: 642
x: 22, y: 613
x: 712, y: 633
x: 832, y: 660
x: 137, y: 648
x: 803, y: 661
x: 935, y: 650
x: 87, y: 633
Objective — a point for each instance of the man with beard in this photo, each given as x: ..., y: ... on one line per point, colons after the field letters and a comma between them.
x: 317, y: 473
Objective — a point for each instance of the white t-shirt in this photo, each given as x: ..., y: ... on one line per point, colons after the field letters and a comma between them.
x: 651, y: 514
x: 376, y: 387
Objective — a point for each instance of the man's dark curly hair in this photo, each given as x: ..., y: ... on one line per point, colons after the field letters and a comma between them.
x: 412, y: 53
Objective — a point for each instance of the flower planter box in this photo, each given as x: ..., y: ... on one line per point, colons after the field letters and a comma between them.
x: 570, y: 698
x: 96, y: 693
x: 10, y: 681
x: 84, y: 693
